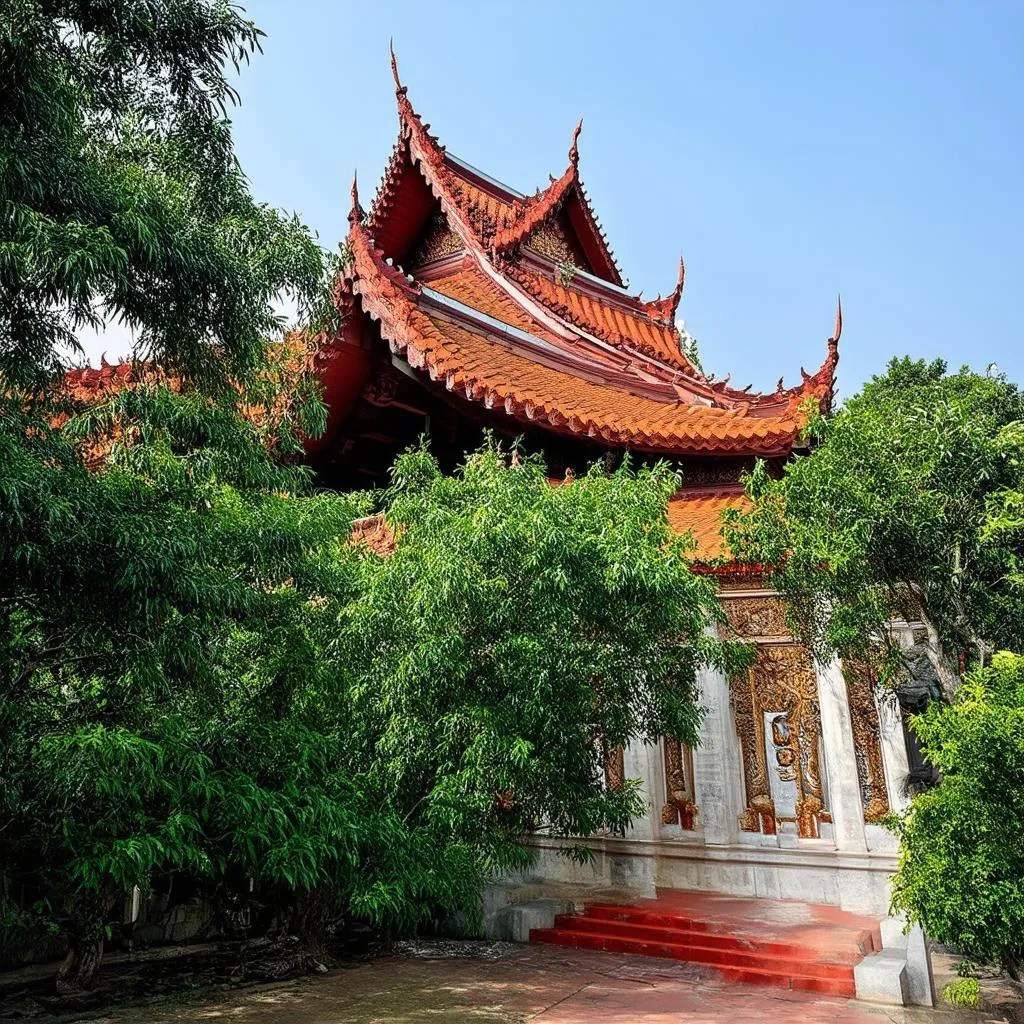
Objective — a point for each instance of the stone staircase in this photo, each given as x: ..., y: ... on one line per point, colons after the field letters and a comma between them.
x: 761, y: 942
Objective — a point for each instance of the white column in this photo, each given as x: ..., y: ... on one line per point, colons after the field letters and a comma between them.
x: 894, y: 749
x: 840, y: 757
x: 716, y: 763
x: 643, y: 762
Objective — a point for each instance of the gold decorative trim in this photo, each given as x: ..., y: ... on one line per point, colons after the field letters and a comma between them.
x: 549, y: 240
x: 615, y: 769
x: 438, y: 242
x: 867, y: 740
x: 756, y: 616
x: 781, y: 680
x: 679, y: 807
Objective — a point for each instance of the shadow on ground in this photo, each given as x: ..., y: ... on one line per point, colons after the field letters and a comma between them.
x: 484, y: 983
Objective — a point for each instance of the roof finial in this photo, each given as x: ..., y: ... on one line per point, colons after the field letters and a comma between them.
x: 834, y: 340
x: 574, y: 152
x: 355, y: 213
x: 399, y: 88
x: 680, y: 281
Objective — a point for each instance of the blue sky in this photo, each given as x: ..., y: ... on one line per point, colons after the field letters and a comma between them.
x: 789, y: 150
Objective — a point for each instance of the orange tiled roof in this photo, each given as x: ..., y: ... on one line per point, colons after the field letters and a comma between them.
x: 492, y: 371
x: 534, y: 211
x: 614, y: 323
x: 493, y: 217
x: 486, y: 212
x: 471, y: 286
x: 594, y: 360
x: 701, y: 515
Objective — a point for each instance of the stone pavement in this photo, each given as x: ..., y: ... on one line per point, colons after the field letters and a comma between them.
x: 529, y: 983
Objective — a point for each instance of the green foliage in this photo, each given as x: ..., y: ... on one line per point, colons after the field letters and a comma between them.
x: 151, y: 633
x: 120, y: 194
x: 518, y: 632
x: 961, y: 871
x: 689, y: 346
x: 148, y: 535
x: 1004, y: 525
x: 963, y: 992
x: 886, y: 516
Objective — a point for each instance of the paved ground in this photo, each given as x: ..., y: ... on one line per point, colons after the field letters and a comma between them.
x: 542, y: 984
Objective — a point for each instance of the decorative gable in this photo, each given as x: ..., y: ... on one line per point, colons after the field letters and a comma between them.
x: 438, y: 242
x: 552, y: 241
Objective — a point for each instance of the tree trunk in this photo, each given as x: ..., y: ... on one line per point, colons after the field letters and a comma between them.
x: 77, y: 973
x: 945, y: 668
x: 315, y: 921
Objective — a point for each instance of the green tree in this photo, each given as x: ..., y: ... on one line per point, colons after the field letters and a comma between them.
x: 516, y: 636
x: 120, y: 194
x: 961, y: 872
x: 885, y: 518
x: 200, y: 673
x: 142, y: 534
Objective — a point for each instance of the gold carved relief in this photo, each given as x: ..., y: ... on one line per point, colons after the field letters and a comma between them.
x: 756, y: 616
x: 867, y: 740
x: 779, y: 726
x: 614, y: 769
x: 679, y: 807
x: 438, y: 242
x: 550, y: 241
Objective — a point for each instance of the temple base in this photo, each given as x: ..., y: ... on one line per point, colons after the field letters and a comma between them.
x: 857, y: 882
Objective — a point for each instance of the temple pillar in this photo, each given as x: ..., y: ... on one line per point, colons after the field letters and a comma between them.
x: 894, y: 749
x: 716, y: 763
x: 643, y: 761
x: 840, y: 757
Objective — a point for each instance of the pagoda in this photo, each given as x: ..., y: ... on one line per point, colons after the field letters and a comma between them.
x: 467, y: 306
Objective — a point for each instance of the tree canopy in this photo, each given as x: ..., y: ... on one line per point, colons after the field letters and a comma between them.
x: 120, y: 194
x: 887, y: 517
x: 516, y: 636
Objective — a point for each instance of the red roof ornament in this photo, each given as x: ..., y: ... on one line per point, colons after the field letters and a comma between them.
x: 355, y: 213
x: 834, y: 340
x: 399, y: 88
x: 665, y: 309
x: 574, y: 149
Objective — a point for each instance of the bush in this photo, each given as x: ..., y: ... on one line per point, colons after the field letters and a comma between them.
x: 961, y: 872
x: 964, y: 992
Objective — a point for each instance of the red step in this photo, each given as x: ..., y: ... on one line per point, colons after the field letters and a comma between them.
x: 862, y: 939
x: 819, y: 958
x: 694, y: 937
x: 832, y: 977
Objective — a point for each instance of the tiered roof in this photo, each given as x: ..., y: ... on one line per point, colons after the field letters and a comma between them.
x: 489, y: 309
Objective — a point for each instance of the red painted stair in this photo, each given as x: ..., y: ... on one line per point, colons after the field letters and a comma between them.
x: 760, y: 942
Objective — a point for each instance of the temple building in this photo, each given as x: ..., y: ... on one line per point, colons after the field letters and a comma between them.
x: 468, y: 305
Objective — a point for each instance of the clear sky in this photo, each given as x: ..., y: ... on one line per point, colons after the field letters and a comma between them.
x: 790, y: 150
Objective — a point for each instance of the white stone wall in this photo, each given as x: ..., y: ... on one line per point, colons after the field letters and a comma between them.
x: 849, y: 866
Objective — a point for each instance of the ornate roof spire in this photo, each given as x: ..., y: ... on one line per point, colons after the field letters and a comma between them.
x: 574, y: 151
x: 680, y: 281
x: 834, y: 340
x: 400, y: 89
x: 665, y: 309
x: 355, y: 213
